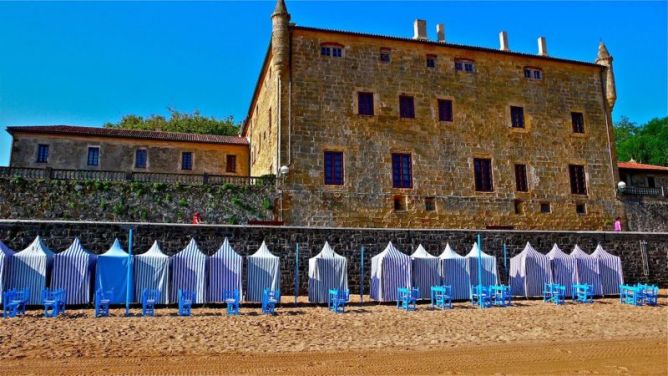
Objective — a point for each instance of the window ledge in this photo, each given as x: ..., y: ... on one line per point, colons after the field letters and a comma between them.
x: 578, y: 135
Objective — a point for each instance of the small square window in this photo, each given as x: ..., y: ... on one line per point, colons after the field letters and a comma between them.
x: 517, y: 116
x: 429, y: 204
x: 365, y: 103
x: 581, y: 208
x: 399, y: 203
x: 519, y: 206
x: 431, y: 61
x: 533, y: 73
x: 545, y: 207
x: 467, y: 66
x: 385, y: 55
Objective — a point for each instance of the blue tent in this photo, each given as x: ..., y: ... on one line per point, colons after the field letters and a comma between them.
x: 5, y: 258
x: 225, y: 267
x: 73, y: 271
x: 152, y: 272
x: 455, y: 273
x: 264, y: 271
x: 425, y: 271
x: 30, y: 268
x: 488, y: 267
x: 390, y: 270
x: 189, y: 273
x: 111, y: 273
x: 529, y: 272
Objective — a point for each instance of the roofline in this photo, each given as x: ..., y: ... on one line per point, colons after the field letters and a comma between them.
x: 256, y: 91
x: 445, y: 44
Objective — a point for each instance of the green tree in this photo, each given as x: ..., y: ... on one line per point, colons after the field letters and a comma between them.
x: 179, y: 122
x: 645, y: 144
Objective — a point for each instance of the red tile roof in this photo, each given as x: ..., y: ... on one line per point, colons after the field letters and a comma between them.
x: 641, y: 166
x: 128, y: 133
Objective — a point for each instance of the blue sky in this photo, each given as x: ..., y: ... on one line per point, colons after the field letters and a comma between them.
x: 86, y: 63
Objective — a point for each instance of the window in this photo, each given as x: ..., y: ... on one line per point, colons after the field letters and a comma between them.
x: 465, y: 65
x: 385, y: 55
x: 93, y: 156
x: 577, y: 119
x: 482, y: 169
x: 444, y: 110
x: 186, y: 160
x: 141, y: 158
x: 533, y: 73
x: 406, y: 107
x: 651, y: 182
x: 545, y: 207
x: 401, y: 171
x: 517, y: 116
x: 429, y: 204
x: 519, y: 206
x: 431, y: 61
x: 231, y: 163
x: 580, y: 208
x: 521, y: 178
x: 399, y: 203
x: 365, y: 103
x: 42, y: 153
x: 333, y: 50
x: 334, y: 168
x: 578, y: 182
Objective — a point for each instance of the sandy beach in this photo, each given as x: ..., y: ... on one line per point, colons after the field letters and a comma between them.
x: 531, y: 337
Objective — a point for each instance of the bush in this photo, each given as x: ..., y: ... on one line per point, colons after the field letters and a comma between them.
x: 183, y: 202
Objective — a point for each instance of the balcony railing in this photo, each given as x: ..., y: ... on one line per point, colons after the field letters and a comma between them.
x: 644, y: 191
x: 145, y: 177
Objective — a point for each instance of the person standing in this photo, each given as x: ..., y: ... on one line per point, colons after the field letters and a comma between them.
x: 618, y: 224
x: 197, y: 219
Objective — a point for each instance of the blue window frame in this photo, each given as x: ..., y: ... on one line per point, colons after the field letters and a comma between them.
x: 186, y: 160
x: 94, y: 156
x: 42, y: 153
x: 140, y: 158
x: 334, y: 168
x: 401, y: 171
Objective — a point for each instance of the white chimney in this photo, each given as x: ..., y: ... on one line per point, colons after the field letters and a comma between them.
x: 440, y: 33
x: 503, y: 41
x: 420, y: 29
x: 542, y: 46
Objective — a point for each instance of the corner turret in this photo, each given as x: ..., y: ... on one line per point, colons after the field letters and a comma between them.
x: 280, y: 45
x: 604, y: 58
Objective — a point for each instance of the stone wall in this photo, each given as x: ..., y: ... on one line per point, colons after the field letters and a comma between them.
x: 646, y: 213
x: 282, y: 241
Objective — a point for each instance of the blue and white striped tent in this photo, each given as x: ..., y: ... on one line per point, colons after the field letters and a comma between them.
x: 111, y: 273
x: 390, y: 270
x: 588, y: 270
x: 424, y: 270
x: 610, y: 268
x: 30, y: 269
x: 225, y: 268
x: 326, y: 270
x: 6, y: 255
x: 73, y: 270
x: 529, y: 271
x: 488, y: 267
x: 455, y: 273
x: 152, y: 272
x: 564, y: 268
x: 263, y: 272
x: 189, y: 273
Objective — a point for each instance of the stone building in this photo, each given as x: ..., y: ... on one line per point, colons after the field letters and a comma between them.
x: 107, y: 149
x: 380, y: 131
x: 641, y: 175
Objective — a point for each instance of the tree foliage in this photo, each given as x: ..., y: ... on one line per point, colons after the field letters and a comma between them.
x: 179, y: 122
x: 645, y: 144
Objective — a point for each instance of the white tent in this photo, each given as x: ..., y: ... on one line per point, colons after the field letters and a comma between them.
x: 152, y: 272
x: 390, y: 270
x: 529, y: 271
x: 488, y: 267
x: 189, y: 273
x: 73, y: 270
x: 6, y: 255
x: 563, y: 267
x: 326, y: 270
x: 455, y: 273
x: 424, y: 270
x: 588, y: 270
x: 263, y: 272
x: 225, y: 268
x: 610, y: 268
x: 30, y: 268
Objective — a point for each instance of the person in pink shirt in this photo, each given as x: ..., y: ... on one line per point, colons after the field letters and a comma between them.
x: 618, y: 224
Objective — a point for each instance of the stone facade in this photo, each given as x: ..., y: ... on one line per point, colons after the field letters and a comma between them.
x: 319, y: 112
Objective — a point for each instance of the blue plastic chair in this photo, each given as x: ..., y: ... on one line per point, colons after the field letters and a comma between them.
x: 500, y: 295
x: 54, y: 302
x: 441, y: 296
x: 14, y: 302
x: 149, y: 298
x: 338, y: 299
x: 582, y: 293
x: 102, y: 302
x: 407, y: 298
x: 481, y: 294
x: 186, y: 300
x: 554, y: 293
x: 270, y: 299
x: 231, y: 299
x: 650, y: 294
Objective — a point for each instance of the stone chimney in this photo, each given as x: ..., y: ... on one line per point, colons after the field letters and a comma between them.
x: 542, y: 46
x: 440, y: 33
x: 420, y: 30
x: 503, y: 41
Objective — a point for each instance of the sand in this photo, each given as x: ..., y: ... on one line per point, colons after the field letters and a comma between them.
x: 531, y: 337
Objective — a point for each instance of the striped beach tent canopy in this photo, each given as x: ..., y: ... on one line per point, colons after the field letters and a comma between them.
x: 152, y: 272
x: 326, y: 270
x: 189, y: 273
x: 455, y: 273
x: 6, y: 255
x: 263, y: 272
x: 529, y: 271
x: 610, y: 268
x: 73, y: 270
x: 111, y: 273
x: 30, y: 269
x: 225, y: 268
x: 488, y: 267
x: 390, y: 270
x: 564, y: 268
x: 588, y: 270
x: 424, y: 271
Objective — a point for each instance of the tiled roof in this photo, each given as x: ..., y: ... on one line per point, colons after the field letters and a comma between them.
x: 129, y: 133
x: 641, y: 166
